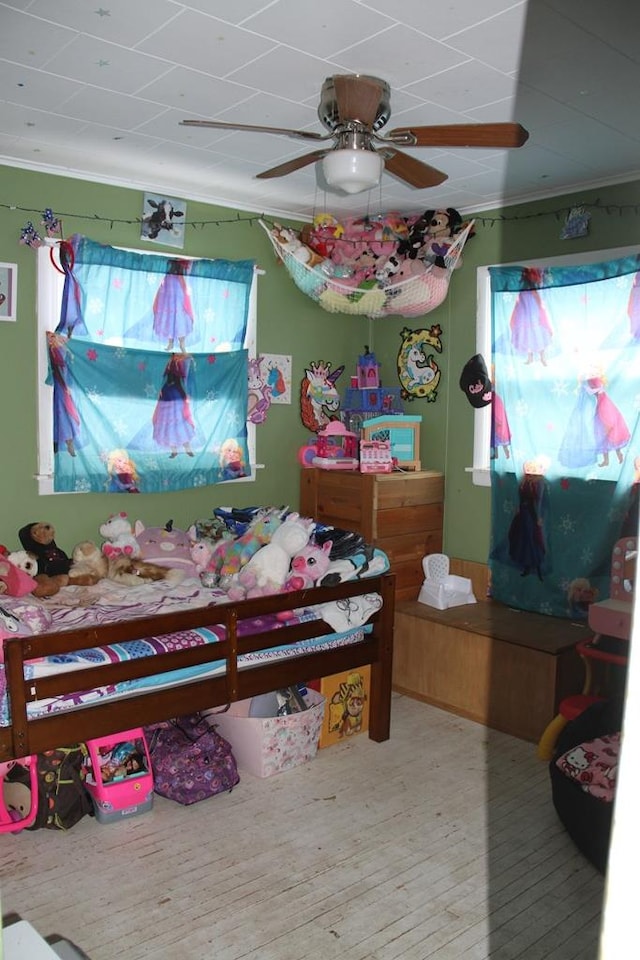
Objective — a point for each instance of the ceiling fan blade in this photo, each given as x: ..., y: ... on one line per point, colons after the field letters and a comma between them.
x: 412, y: 171
x: 292, y: 165
x: 501, y: 135
x: 357, y: 98
x: 254, y: 128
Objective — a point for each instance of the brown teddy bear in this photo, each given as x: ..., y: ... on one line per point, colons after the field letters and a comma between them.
x: 54, y: 566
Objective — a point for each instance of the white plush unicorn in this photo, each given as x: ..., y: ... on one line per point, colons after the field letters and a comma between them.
x: 118, y: 536
x: 267, y: 570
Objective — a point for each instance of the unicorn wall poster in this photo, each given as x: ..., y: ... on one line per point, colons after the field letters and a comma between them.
x: 319, y: 398
x: 277, y: 373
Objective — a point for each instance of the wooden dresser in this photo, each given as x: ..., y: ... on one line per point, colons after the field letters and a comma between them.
x: 401, y: 513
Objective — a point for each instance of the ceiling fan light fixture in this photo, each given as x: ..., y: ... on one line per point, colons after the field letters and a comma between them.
x: 352, y: 170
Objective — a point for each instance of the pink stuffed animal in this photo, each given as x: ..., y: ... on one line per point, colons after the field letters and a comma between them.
x: 201, y: 554
x: 308, y: 566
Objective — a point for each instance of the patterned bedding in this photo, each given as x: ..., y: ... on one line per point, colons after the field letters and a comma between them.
x: 109, y: 602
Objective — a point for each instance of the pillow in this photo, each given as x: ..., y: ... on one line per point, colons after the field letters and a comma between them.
x: 166, y: 546
x: 20, y: 617
x: 15, y: 581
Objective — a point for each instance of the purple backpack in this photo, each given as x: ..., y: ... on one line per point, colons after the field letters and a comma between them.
x: 190, y: 761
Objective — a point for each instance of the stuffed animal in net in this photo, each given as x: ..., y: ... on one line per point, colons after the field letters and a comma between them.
x: 117, y: 533
x: 431, y: 235
x: 267, y: 570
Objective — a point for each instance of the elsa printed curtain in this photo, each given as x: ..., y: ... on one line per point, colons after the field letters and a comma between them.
x: 149, y: 371
x: 565, y: 439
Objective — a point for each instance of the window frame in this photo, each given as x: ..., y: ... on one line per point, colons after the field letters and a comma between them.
x: 481, y: 468
x: 50, y: 285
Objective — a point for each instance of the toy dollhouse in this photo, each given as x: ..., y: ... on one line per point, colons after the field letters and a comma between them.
x: 366, y: 397
x: 403, y: 434
x: 336, y: 448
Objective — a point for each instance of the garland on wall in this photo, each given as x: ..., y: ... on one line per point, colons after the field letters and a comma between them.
x: 52, y: 223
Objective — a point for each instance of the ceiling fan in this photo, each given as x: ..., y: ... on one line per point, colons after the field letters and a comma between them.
x: 354, y: 108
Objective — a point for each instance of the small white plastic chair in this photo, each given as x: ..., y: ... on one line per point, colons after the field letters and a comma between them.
x: 436, y: 566
x: 440, y: 588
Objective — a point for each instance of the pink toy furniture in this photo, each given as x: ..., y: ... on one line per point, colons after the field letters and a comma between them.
x: 18, y: 816
x: 119, y: 776
x: 336, y: 448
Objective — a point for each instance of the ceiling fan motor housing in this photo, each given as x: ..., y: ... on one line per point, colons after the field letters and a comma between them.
x: 329, y: 113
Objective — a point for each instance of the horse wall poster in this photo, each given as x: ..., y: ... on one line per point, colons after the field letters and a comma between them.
x: 319, y: 398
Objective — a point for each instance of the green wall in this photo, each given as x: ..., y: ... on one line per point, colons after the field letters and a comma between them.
x: 288, y: 323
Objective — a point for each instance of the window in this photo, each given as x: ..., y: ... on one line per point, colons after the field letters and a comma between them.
x: 482, y: 418
x: 174, y: 400
x: 565, y: 428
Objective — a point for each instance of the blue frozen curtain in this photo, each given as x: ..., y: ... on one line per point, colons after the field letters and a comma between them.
x: 565, y: 440
x: 149, y: 371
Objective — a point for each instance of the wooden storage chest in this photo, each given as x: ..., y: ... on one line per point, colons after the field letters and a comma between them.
x: 508, y: 669
x: 401, y: 513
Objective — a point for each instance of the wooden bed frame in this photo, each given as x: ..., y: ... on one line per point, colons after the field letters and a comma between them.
x: 29, y: 736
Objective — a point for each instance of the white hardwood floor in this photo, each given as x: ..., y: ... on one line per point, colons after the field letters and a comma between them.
x: 441, y: 843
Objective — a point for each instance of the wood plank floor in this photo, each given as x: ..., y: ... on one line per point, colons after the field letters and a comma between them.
x: 441, y: 843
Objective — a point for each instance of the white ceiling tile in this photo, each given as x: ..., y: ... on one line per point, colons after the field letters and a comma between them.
x: 441, y: 20
x: 120, y: 21
x: 106, y: 65
x: 414, y: 56
x: 235, y: 12
x: 213, y: 46
x: 497, y: 41
x: 285, y: 73
x: 106, y: 107
x: 311, y: 30
x: 27, y: 87
x: 466, y: 86
x: 200, y: 96
x: 29, y: 123
x: 28, y: 40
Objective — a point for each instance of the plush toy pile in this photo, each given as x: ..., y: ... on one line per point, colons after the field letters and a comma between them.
x: 367, y: 260
x: 247, y: 553
x: 127, y: 555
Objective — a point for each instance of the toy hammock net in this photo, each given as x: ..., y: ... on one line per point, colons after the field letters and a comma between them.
x: 399, y: 294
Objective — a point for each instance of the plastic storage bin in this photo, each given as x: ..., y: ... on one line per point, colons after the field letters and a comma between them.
x: 264, y: 746
x: 119, y: 778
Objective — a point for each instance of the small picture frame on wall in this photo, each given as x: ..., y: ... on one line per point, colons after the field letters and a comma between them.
x: 8, y: 291
x: 163, y: 220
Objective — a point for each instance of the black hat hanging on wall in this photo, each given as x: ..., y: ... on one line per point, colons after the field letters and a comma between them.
x: 476, y: 383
